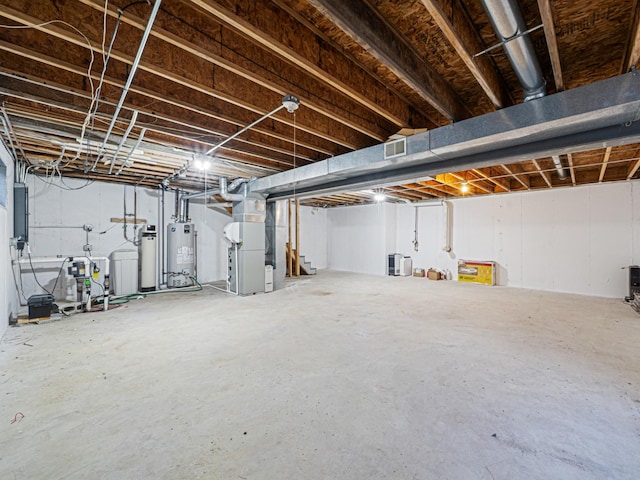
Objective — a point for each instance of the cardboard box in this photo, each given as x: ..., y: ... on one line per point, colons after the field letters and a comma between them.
x: 433, y: 274
x: 418, y: 272
x: 477, y: 272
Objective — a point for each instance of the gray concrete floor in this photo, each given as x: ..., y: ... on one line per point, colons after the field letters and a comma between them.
x: 338, y: 376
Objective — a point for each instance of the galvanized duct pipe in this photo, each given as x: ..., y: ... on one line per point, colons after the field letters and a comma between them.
x: 558, y: 164
x: 506, y: 18
x: 184, y: 202
x: 224, y: 191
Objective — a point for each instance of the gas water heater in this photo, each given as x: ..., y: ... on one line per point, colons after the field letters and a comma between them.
x: 180, y: 254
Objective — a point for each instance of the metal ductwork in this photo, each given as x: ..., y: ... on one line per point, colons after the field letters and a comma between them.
x: 599, y: 115
x: 507, y: 21
x: 558, y: 164
x: 231, y: 197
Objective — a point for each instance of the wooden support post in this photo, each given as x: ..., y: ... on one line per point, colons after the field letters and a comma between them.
x: 289, y: 244
x: 297, y: 237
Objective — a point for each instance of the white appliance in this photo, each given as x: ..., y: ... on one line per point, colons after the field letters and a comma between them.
x: 268, y: 278
x: 393, y: 264
x: 181, y: 259
x: 406, y: 266
x: 124, y: 272
x: 148, y: 259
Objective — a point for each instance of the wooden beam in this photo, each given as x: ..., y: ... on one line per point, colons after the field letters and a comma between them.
x: 63, y: 34
x: 515, y: 171
x: 376, y: 35
x: 498, y: 183
x: 473, y: 182
x: 633, y: 168
x: 453, y: 181
x: 631, y: 55
x: 461, y: 33
x: 156, y: 112
x: 605, y: 161
x: 571, y: 168
x: 552, y: 43
x: 259, y: 77
x: 541, y: 172
x: 290, y: 243
x: 278, y: 32
x: 258, y: 158
x: 297, y: 237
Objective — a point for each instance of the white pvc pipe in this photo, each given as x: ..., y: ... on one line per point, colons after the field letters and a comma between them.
x: 87, y: 263
x: 446, y: 216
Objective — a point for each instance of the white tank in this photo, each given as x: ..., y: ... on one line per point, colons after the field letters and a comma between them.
x: 148, y: 259
x: 180, y: 254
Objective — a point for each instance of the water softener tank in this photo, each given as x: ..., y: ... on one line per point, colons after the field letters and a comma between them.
x: 148, y: 259
x: 180, y: 254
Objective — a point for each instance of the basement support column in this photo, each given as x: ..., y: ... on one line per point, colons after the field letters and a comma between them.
x: 297, y: 237
x: 290, y: 243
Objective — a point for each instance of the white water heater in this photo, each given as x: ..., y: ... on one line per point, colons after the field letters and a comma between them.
x: 180, y: 254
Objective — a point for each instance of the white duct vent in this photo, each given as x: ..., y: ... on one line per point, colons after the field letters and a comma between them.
x: 395, y: 148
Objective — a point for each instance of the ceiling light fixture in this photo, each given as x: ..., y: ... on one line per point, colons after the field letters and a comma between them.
x: 464, y: 188
x: 202, y: 164
x: 379, y: 197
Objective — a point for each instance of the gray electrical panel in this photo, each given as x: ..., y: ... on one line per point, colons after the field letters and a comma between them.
x: 246, y: 260
x: 21, y: 214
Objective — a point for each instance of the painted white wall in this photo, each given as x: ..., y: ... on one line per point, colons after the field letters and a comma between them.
x: 313, y: 235
x: 8, y: 294
x: 572, y: 240
x: 96, y: 204
x: 361, y: 237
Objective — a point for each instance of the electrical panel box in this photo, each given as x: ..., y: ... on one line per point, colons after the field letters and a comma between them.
x: 21, y: 214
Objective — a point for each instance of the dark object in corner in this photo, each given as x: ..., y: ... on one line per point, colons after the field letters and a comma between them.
x: 40, y: 305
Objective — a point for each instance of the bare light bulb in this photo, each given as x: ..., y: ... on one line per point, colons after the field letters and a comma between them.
x: 379, y: 197
x: 464, y: 188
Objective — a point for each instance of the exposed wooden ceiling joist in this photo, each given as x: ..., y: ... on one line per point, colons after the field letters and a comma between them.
x: 546, y: 12
x: 462, y: 35
x: 381, y: 40
x: 211, y: 67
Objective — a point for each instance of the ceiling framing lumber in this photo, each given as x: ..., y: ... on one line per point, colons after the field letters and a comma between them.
x: 633, y: 168
x: 269, y: 34
x: 571, y: 168
x: 462, y: 35
x: 166, y: 74
x: 541, y: 172
x: 326, y: 108
x: 631, y: 56
x: 605, y: 161
x: 552, y: 43
x: 498, y: 183
x: 514, y: 171
x: 382, y: 41
x: 364, y: 72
